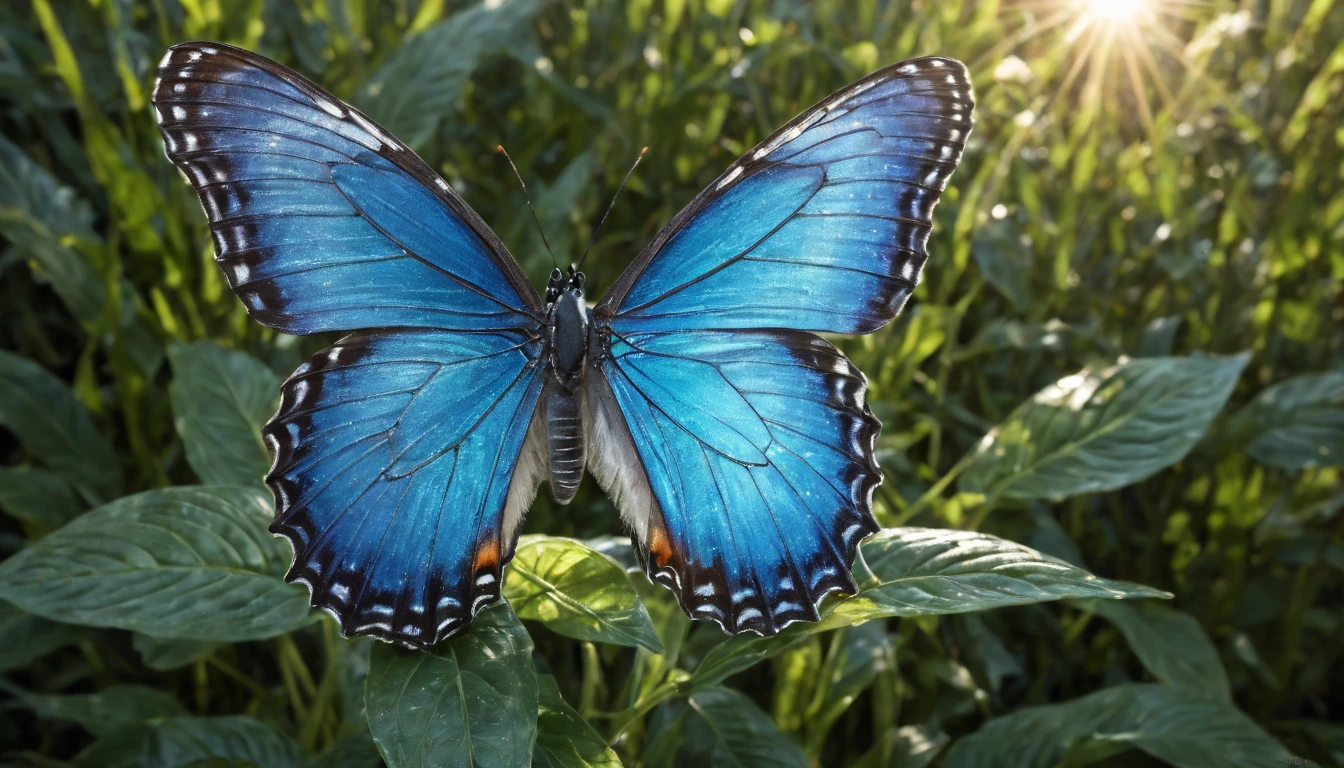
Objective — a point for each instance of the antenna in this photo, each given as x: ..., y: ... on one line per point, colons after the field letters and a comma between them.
x: 500, y: 149
x: 609, y: 207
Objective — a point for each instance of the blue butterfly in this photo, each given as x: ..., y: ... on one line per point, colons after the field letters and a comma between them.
x: 736, y: 444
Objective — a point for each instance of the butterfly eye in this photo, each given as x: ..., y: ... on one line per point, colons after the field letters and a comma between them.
x: 557, y: 275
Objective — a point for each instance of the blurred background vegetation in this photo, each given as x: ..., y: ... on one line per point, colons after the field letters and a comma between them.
x: 1147, y: 178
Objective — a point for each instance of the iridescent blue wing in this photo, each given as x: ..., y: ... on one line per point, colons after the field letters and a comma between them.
x: 744, y: 459
x: 823, y: 226
x: 394, y: 479
x: 321, y: 220
x: 400, y: 471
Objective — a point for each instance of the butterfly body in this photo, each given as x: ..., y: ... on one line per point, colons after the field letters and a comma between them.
x: 569, y: 339
x: 737, y: 445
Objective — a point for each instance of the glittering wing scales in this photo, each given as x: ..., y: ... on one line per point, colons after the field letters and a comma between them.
x: 822, y: 227
x: 403, y: 462
x: 321, y: 220
x: 753, y: 517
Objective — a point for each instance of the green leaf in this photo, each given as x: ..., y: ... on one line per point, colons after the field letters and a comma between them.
x: 910, y: 746
x: 419, y: 85
x: 577, y: 592
x: 1173, y: 724
x: 1170, y: 643
x: 354, y: 751
x: 186, y: 562
x: 469, y: 701
x: 221, y: 399
x: 103, y: 712
x: 40, y: 499
x: 927, y: 572
x: 1004, y: 260
x: 43, y: 219
x: 564, y: 738
x: 56, y: 429
x: 1297, y: 423
x: 25, y: 637
x: 719, y: 726
x: 164, y: 654
x: 856, y: 657
x: 183, y: 742
x: 1098, y: 431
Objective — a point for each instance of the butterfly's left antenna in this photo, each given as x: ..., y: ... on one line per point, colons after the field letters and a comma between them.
x: 500, y: 149
x: 609, y: 207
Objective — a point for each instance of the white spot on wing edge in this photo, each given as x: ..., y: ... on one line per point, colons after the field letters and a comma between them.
x: 732, y: 175
x: 373, y: 131
x: 328, y: 106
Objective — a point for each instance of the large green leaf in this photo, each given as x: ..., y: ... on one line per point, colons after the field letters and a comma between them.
x: 25, y: 637
x: 188, y: 742
x: 419, y: 85
x: 221, y: 399
x: 42, y: 500
x: 1098, y: 431
x: 186, y: 562
x: 107, y: 710
x: 469, y: 701
x: 56, y: 429
x: 578, y: 592
x: 1173, y: 724
x: 719, y: 726
x: 1297, y: 423
x: 564, y: 738
x: 926, y: 572
x: 1170, y: 643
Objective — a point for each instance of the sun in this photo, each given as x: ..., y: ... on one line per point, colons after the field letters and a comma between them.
x: 1117, y: 10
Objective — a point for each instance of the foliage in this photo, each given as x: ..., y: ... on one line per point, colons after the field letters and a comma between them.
x: 1125, y: 359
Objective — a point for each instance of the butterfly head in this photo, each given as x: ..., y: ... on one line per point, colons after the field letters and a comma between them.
x: 561, y: 283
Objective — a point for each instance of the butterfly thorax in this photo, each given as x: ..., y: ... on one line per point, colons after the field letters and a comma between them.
x: 567, y: 345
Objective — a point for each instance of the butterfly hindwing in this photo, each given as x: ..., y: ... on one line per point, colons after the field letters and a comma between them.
x: 751, y: 514
x: 393, y: 464
x: 321, y: 220
x: 744, y: 458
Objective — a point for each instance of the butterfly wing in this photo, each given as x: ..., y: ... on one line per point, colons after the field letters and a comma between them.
x: 823, y: 226
x: 394, y: 479
x: 321, y: 220
x: 403, y: 456
x: 743, y: 457
x: 754, y: 473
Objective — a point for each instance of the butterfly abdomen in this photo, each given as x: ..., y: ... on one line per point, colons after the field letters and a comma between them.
x: 564, y: 439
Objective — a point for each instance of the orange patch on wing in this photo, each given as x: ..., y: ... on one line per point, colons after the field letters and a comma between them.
x: 487, y: 555
x: 659, y: 546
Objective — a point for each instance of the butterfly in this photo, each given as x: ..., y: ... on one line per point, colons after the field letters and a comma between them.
x: 737, y: 445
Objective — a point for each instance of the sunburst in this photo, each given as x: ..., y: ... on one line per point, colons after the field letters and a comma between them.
x: 1106, y: 35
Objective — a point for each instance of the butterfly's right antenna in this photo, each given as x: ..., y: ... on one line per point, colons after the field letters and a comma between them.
x: 500, y: 149
x: 609, y: 207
